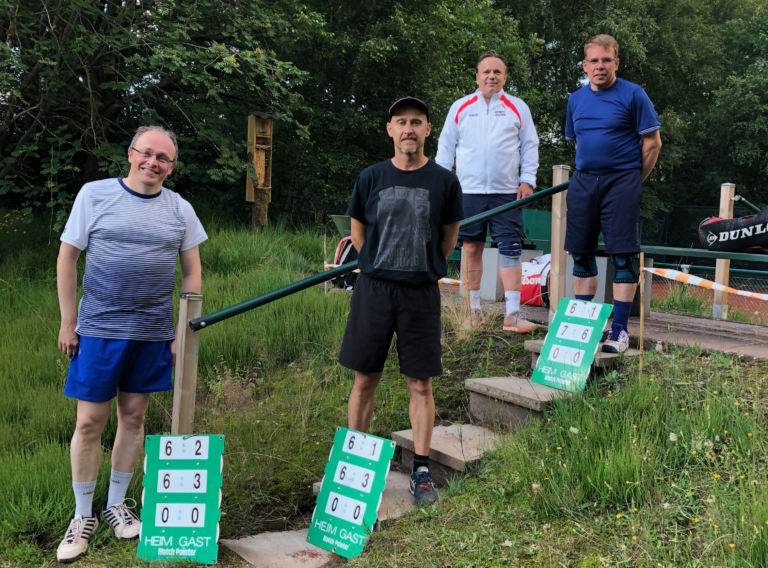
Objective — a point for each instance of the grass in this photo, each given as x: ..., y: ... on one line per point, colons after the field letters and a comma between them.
x: 680, y: 300
x: 665, y: 471
x: 269, y: 381
x: 669, y: 470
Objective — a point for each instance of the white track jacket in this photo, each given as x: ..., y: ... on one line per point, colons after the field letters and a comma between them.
x: 489, y: 143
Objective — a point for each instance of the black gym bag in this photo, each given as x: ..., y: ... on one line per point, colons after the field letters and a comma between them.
x: 746, y: 234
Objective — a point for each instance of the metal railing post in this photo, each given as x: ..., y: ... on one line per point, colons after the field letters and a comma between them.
x: 557, y: 274
x: 185, y: 383
x: 723, y: 266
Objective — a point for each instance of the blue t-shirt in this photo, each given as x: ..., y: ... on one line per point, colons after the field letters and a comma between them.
x: 607, y: 126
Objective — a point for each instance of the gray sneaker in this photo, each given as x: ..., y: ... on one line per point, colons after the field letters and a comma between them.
x: 618, y: 340
x: 421, y: 487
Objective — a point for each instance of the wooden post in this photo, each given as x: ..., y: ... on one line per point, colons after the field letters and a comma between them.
x: 325, y: 261
x: 557, y: 274
x: 642, y: 310
x: 185, y: 384
x: 723, y: 266
x: 260, y: 155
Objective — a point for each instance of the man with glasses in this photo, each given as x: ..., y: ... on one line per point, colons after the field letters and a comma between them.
x: 616, y: 131
x: 121, y: 336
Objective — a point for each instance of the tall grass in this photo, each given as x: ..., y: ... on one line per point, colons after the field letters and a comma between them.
x: 665, y: 471
x: 37, y: 421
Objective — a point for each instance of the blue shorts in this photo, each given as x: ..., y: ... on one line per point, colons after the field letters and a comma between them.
x: 507, y: 227
x: 604, y: 202
x: 102, y: 366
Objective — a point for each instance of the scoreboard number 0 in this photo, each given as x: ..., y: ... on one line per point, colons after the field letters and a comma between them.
x: 180, y: 515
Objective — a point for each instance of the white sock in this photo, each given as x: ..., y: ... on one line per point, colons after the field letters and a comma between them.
x: 84, y: 498
x: 474, y: 299
x: 513, y: 302
x: 118, y: 486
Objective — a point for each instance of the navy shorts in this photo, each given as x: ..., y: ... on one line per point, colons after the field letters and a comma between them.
x: 507, y: 227
x: 378, y: 310
x: 101, y: 366
x: 604, y: 202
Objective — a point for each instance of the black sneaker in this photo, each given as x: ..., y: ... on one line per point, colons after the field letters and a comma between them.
x: 421, y: 486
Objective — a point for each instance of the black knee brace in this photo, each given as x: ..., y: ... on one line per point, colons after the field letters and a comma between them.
x: 624, y: 271
x: 584, y: 265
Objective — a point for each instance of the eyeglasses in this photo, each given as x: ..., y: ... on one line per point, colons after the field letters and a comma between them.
x: 604, y: 61
x: 161, y: 158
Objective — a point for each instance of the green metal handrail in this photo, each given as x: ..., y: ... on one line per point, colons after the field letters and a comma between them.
x: 221, y: 315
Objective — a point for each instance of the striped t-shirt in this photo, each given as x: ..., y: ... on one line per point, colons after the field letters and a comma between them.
x: 133, y: 241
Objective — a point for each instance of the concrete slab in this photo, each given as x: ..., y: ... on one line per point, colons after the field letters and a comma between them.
x: 519, y: 391
x: 280, y: 550
x: 396, y: 499
x: 496, y: 413
x: 453, y: 447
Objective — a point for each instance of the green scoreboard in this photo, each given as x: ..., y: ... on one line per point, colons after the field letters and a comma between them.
x: 182, y: 498
x: 571, y: 343
x: 350, y: 495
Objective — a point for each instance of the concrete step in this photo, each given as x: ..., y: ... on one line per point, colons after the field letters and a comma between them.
x: 395, y: 500
x: 453, y: 448
x: 602, y: 360
x: 508, y: 401
x: 288, y: 549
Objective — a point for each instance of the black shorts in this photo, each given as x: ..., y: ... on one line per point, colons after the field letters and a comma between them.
x: 381, y: 308
x: 507, y: 227
x: 606, y: 202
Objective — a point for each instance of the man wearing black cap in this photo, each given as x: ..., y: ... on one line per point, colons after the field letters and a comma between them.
x: 405, y: 221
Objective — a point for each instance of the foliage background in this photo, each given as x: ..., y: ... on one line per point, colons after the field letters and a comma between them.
x: 78, y: 77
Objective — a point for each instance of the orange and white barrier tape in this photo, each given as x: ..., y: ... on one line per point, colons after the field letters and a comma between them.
x: 696, y: 281
x: 442, y: 280
x: 451, y: 281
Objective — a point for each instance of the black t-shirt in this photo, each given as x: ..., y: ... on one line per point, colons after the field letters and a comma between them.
x: 404, y: 212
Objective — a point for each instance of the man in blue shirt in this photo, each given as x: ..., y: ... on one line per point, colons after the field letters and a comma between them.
x: 616, y: 131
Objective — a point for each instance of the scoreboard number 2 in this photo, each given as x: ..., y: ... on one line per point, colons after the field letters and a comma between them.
x: 176, y: 448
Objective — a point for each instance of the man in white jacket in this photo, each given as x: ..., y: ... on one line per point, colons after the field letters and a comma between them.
x: 492, y: 140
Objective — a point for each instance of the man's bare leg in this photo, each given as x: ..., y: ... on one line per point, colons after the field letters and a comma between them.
x: 85, y: 449
x: 472, y: 271
x: 361, y: 401
x: 131, y: 411
x: 623, y: 292
x: 586, y: 286
x: 421, y: 410
x: 512, y: 280
x: 422, y: 413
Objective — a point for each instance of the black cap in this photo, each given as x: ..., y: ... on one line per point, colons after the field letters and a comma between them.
x: 411, y: 100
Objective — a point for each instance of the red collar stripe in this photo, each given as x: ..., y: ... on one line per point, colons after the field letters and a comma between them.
x: 465, y: 105
x: 508, y: 104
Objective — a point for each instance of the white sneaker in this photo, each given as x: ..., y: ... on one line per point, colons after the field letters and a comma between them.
x: 618, y: 340
x: 517, y: 322
x: 125, y: 524
x: 75, y: 544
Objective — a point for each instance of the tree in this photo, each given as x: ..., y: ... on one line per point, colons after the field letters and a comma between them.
x: 78, y: 77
